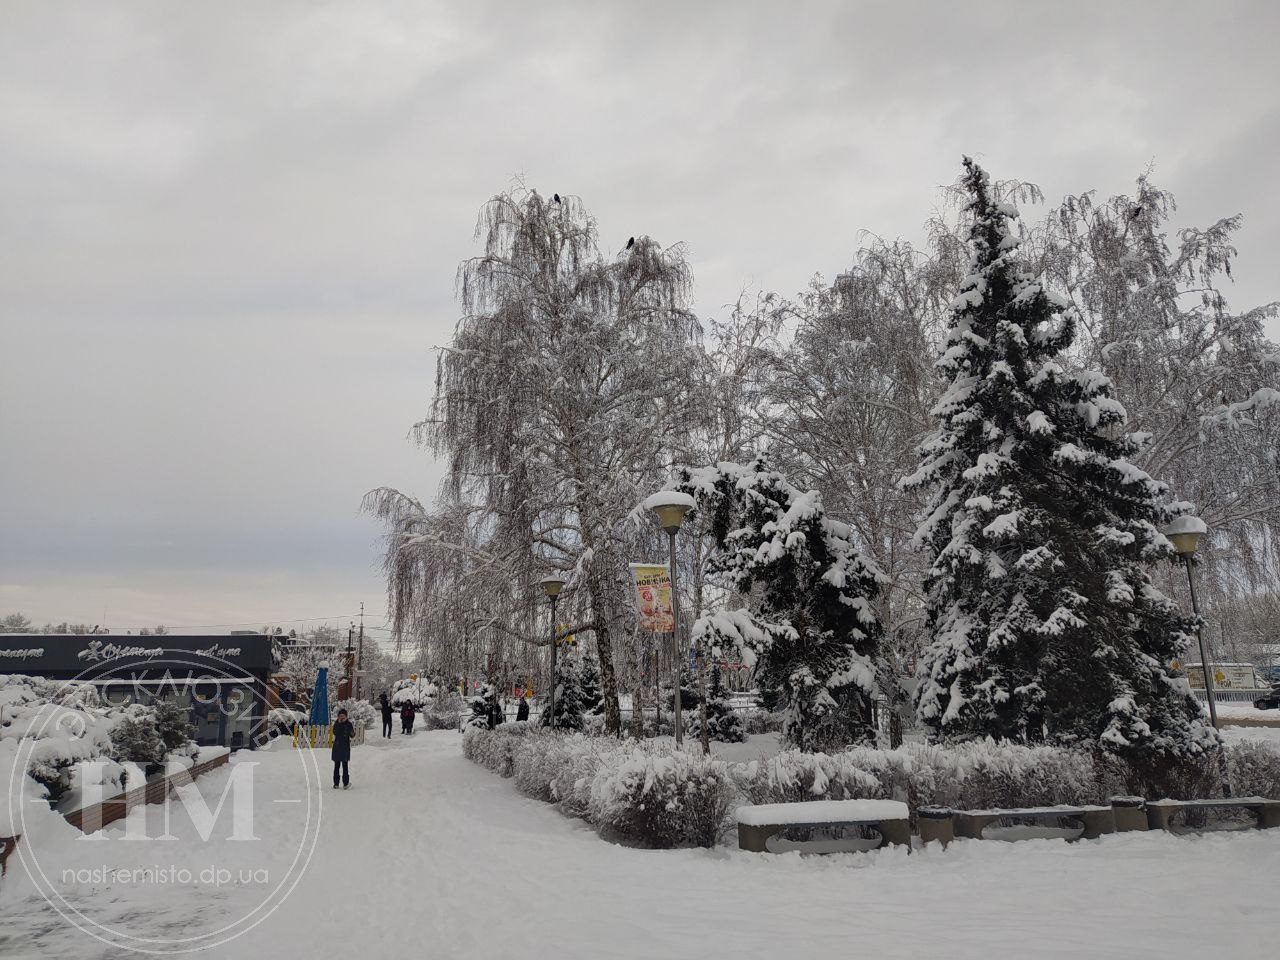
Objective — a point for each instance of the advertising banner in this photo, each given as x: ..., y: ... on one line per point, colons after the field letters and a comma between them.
x: 653, y: 597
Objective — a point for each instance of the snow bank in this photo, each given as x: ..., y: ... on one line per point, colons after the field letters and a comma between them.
x: 822, y: 811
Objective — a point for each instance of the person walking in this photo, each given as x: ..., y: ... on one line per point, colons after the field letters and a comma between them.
x: 522, y: 709
x: 413, y: 713
x: 343, y: 731
x: 385, y: 706
x: 406, y: 718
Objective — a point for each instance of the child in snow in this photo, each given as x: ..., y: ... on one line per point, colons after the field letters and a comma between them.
x: 343, y: 731
x: 406, y: 718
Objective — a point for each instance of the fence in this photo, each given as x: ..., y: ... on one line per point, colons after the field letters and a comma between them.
x: 316, y: 736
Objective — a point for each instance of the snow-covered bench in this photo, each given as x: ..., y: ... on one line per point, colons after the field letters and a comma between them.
x: 1160, y: 813
x: 1094, y: 822
x: 816, y: 826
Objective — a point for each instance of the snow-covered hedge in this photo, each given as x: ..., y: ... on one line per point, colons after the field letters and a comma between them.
x: 647, y: 794
x: 972, y: 776
x: 1255, y: 769
x: 661, y: 797
x: 652, y: 795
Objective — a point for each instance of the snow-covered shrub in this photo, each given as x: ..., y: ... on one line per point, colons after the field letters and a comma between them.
x: 135, y: 737
x: 571, y: 785
x: 657, y: 797
x: 444, y: 712
x: 542, y: 758
x: 419, y: 692
x: 1255, y: 769
x: 795, y: 776
x: 494, y: 749
x: 987, y: 774
x: 971, y: 776
x: 174, y: 727
x: 53, y: 727
x: 361, y: 713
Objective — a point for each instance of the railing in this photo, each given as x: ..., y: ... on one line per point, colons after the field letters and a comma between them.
x: 1231, y: 696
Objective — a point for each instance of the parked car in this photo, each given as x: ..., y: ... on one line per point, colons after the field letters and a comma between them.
x: 1270, y: 701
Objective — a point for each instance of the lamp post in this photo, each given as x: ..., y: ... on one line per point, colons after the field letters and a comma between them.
x: 671, y: 507
x: 552, y: 586
x: 1185, y: 533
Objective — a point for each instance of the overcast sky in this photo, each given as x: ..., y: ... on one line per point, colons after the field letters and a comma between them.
x: 229, y: 231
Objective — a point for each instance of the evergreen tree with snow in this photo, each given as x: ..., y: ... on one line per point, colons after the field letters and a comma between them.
x: 486, y: 711
x: 174, y: 727
x: 812, y: 628
x: 569, y: 705
x: 589, y: 685
x: 722, y: 720
x: 135, y: 739
x: 1045, y: 623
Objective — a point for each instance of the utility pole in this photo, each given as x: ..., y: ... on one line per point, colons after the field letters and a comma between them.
x: 351, y: 633
x: 359, y: 654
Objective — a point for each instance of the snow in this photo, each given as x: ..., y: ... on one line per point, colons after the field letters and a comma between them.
x: 665, y: 498
x: 822, y: 811
x: 431, y: 853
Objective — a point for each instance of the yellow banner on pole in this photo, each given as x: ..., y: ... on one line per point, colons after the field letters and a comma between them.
x: 653, y: 596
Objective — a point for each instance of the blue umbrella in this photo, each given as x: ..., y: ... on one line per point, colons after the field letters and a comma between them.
x: 320, y: 699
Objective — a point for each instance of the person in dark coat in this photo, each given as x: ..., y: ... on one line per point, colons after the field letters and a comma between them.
x: 522, y: 710
x: 386, y: 709
x: 343, y: 731
x: 406, y: 718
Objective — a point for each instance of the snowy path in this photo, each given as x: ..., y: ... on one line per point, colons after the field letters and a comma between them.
x: 429, y: 855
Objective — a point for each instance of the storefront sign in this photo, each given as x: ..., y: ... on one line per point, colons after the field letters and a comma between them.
x: 71, y: 654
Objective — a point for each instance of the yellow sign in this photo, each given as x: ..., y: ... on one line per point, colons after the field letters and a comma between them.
x: 653, y: 597
x: 569, y: 640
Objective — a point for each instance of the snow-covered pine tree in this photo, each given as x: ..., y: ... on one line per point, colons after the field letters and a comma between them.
x: 134, y: 738
x: 813, y: 628
x: 569, y: 706
x: 722, y: 721
x: 589, y: 685
x: 1045, y: 623
x: 486, y: 711
x: 174, y: 727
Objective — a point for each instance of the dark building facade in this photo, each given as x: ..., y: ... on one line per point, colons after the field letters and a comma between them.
x: 220, y: 680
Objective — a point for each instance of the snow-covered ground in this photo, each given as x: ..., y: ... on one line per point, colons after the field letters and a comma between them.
x: 430, y: 855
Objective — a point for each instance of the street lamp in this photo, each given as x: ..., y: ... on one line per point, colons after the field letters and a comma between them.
x: 1185, y: 533
x: 671, y: 507
x: 552, y: 586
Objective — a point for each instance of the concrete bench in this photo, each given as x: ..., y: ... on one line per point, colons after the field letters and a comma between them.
x: 814, y: 826
x: 1160, y: 813
x: 1094, y: 820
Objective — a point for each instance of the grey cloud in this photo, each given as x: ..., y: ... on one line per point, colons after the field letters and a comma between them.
x: 230, y: 231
